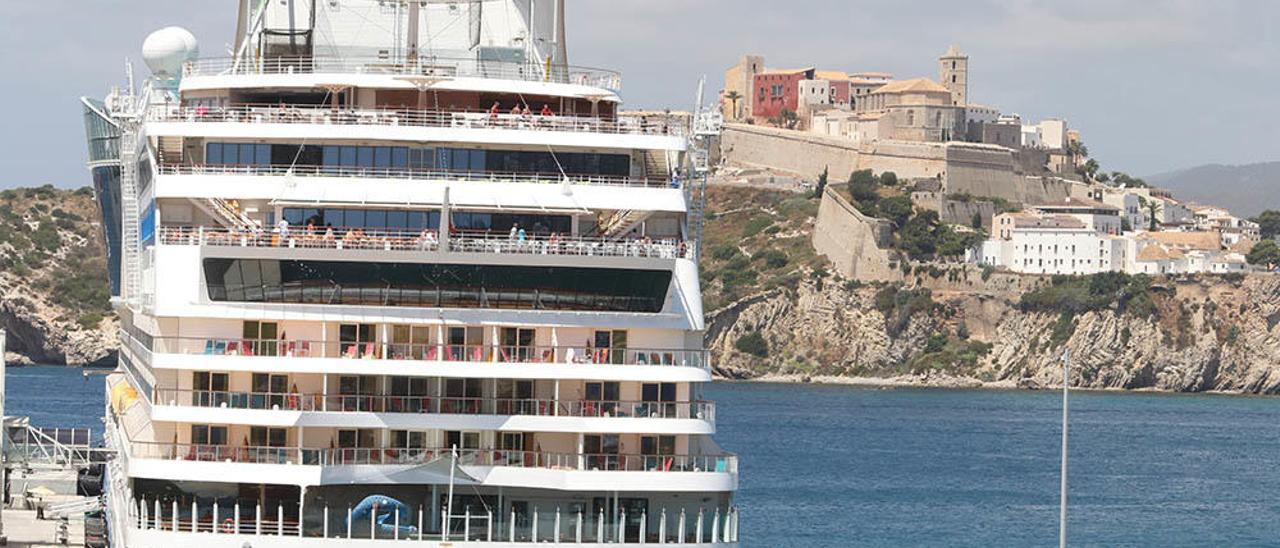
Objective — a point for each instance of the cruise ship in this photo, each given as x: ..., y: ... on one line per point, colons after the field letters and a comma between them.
x: 395, y: 271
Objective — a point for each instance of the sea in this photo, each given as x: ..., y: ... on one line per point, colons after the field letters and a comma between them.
x: 847, y: 466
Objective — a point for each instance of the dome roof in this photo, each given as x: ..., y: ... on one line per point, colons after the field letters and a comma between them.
x: 167, y: 49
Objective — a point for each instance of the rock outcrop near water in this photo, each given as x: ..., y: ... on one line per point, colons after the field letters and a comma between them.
x: 1207, y: 333
x: 53, y: 279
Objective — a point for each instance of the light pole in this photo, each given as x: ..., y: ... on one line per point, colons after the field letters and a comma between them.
x: 1062, y: 515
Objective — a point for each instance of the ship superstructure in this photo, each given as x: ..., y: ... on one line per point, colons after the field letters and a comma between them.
x: 397, y: 271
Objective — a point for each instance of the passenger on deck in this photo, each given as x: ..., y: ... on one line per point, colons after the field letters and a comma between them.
x: 515, y: 229
x: 546, y: 110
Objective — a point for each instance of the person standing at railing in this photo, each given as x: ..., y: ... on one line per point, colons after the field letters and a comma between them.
x: 546, y: 110
x: 493, y: 113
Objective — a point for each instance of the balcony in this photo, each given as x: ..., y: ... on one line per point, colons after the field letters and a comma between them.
x: 426, y: 241
x: 424, y: 118
x: 439, y: 68
x: 415, y: 174
x: 390, y: 456
x: 422, y: 404
x: 433, y: 352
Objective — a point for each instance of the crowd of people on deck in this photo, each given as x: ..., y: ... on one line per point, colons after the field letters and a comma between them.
x: 539, y: 240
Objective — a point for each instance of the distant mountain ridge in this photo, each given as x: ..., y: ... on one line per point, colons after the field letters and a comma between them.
x: 1246, y: 189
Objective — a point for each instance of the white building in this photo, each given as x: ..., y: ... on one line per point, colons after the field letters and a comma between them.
x: 1053, y: 134
x: 1051, y: 244
x: 1095, y: 215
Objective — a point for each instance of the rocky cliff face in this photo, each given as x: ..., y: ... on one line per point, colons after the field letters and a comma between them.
x: 53, y: 280
x: 1207, y: 333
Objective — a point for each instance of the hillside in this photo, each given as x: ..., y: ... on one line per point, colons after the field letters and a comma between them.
x: 1244, y: 189
x: 775, y: 312
x: 54, y: 296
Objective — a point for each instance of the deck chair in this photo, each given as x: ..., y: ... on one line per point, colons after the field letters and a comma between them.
x: 547, y: 356
x: 246, y: 348
x: 305, y: 350
x: 721, y: 465
x: 208, y: 347
x: 220, y: 347
x: 641, y: 359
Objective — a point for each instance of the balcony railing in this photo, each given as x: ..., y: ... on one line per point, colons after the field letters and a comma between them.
x: 399, y: 456
x: 295, y: 401
x: 439, y: 68
x: 342, y: 239
x: 706, y: 527
x: 415, y: 174
x: 431, y: 352
x: 401, y: 117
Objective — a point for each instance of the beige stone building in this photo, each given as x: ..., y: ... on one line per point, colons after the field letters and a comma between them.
x: 953, y: 72
x: 912, y: 110
x: 739, y: 80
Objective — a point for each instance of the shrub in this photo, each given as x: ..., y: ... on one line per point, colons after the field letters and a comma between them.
x: 725, y: 252
x: 753, y: 343
x: 895, y: 208
x: 772, y: 258
x: 755, y: 226
x: 889, y: 178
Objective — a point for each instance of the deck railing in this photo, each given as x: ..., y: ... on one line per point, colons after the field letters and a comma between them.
x: 399, y: 456
x: 715, y: 526
x: 404, y: 117
x: 369, y: 403
x: 432, y: 352
x: 411, y: 241
x: 436, y: 68
x: 414, y: 174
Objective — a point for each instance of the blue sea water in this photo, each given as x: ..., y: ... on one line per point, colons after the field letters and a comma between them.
x: 842, y: 466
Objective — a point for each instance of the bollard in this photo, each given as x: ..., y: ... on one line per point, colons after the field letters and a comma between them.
x: 698, y: 536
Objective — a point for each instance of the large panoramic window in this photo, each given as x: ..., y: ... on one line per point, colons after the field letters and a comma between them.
x: 435, y: 285
x: 392, y: 219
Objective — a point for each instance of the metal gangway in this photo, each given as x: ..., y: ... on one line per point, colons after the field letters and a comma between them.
x: 27, y: 445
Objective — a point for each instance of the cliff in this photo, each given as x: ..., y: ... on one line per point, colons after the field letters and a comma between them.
x: 786, y: 316
x: 54, y: 297
x: 1205, y: 334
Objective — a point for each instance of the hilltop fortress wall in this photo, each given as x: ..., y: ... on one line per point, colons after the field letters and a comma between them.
x: 979, y: 170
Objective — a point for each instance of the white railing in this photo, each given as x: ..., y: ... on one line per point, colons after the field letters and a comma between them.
x: 408, y: 241
x: 433, y: 352
x: 403, y: 117
x: 413, y: 174
x: 716, y: 526
x: 424, y: 404
x: 428, y: 66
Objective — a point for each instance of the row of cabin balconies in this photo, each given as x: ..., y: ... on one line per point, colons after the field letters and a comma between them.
x: 494, y: 120
x: 434, y: 404
x: 428, y: 351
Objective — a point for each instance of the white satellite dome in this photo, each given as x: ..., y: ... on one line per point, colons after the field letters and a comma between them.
x: 167, y: 49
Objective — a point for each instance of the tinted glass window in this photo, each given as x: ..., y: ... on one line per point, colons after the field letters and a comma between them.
x: 436, y: 285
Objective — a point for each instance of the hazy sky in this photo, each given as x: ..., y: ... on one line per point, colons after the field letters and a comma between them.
x: 1152, y: 85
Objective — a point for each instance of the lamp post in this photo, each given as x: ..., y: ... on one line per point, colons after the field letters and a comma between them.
x: 1062, y: 502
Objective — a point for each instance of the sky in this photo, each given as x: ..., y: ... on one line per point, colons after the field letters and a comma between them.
x: 1152, y: 85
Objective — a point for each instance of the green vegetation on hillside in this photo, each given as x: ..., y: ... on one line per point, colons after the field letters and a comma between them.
x: 47, y: 244
x: 1070, y: 296
x: 755, y: 240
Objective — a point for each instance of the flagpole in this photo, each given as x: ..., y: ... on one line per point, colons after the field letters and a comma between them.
x: 1062, y: 517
